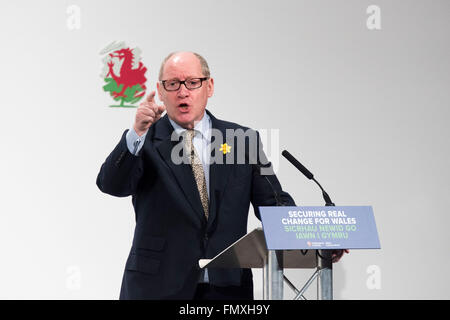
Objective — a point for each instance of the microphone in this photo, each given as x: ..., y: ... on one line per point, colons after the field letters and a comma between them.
x: 307, y: 174
x: 280, y: 203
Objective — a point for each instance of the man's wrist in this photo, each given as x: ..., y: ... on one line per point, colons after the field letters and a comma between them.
x: 139, y: 132
x: 135, y: 141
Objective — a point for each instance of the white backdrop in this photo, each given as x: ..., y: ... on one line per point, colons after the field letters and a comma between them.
x: 366, y: 110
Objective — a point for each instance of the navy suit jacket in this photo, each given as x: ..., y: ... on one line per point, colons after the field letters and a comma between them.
x: 171, y: 232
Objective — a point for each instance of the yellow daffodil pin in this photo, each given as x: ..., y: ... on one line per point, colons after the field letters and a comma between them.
x: 225, y: 148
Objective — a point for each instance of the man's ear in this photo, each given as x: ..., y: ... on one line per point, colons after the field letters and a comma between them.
x: 210, y: 87
x: 159, y: 91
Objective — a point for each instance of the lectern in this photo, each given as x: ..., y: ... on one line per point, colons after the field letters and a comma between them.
x: 251, y: 251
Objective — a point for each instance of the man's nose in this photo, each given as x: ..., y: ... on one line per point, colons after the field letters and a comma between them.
x: 183, y: 92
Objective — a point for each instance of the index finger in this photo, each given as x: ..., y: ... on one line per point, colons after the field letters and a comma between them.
x: 161, y: 109
x: 151, y: 97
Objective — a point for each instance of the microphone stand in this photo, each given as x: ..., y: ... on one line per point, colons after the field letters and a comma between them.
x: 324, y: 256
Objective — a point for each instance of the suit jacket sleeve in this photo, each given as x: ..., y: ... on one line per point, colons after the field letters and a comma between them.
x: 266, y: 189
x: 121, y: 171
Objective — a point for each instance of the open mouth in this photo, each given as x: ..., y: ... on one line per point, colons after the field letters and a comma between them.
x: 183, y: 106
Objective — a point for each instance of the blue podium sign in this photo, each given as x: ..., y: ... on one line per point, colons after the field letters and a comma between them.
x: 343, y: 227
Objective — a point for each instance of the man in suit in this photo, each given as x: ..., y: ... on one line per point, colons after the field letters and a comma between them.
x: 190, y: 209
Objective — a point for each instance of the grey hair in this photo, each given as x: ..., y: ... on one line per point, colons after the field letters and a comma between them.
x: 203, y: 64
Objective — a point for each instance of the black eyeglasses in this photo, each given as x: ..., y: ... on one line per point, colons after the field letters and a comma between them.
x: 190, y: 84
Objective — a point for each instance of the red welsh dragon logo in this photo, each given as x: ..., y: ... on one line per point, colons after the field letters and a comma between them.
x: 124, y: 74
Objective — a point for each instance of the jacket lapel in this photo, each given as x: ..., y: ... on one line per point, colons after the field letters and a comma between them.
x: 182, y: 172
x: 218, y: 172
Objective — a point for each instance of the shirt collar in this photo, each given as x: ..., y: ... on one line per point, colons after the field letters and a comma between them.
x: 203, y: 126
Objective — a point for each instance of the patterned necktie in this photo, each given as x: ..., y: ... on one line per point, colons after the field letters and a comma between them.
x: 197, y: 170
